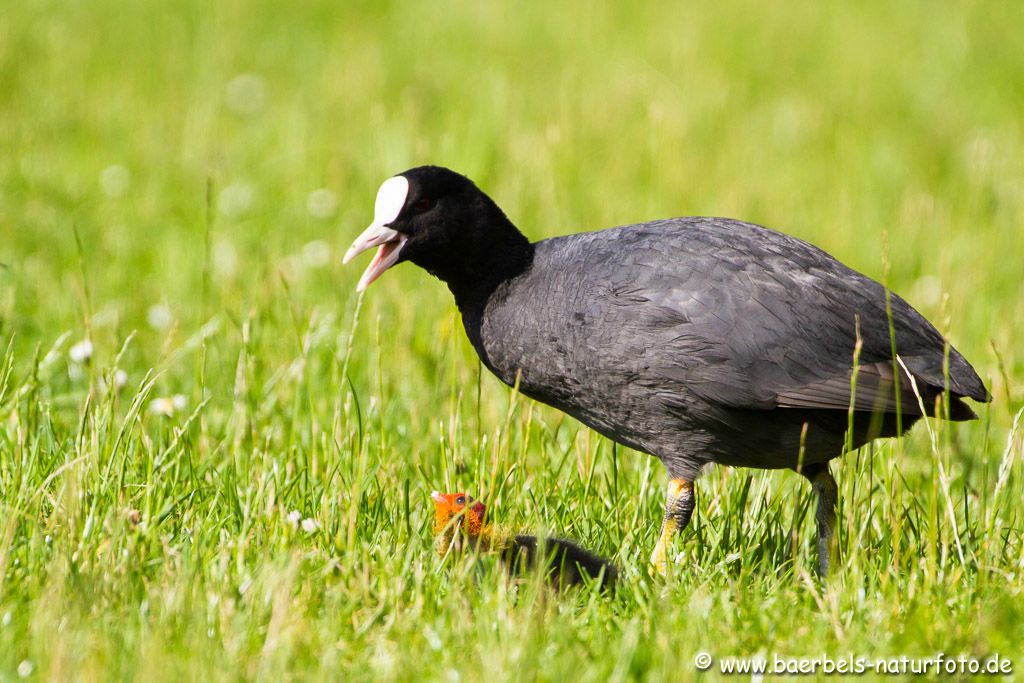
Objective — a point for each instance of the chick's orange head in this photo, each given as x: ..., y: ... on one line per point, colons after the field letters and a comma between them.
x: 449, y: 505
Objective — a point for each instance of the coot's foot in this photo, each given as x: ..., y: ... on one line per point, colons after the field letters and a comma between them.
x: 678, y: 508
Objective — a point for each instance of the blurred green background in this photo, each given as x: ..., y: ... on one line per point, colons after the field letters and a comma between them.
x: 216, y: 159
x: 834, y: 123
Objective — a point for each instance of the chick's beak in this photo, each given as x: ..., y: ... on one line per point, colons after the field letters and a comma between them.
x: 437, y: 498
x: 390, y: 243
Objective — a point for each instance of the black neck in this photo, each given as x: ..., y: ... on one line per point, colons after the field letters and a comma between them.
x: 484, y: 258
x: 478, y: 277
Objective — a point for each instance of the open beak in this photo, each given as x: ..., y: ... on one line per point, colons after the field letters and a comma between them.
x: 390, y: 243
x: 390, y: 198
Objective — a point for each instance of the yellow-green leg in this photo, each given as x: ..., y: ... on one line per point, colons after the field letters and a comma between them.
x: 824, y: 486
x: 678, y: 508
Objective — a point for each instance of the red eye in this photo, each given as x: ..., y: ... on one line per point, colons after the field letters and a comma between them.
x: 422, y: 205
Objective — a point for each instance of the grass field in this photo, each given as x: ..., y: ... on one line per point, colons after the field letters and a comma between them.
x: 229, y: 480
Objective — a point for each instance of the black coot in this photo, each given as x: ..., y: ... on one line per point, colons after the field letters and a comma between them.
x: 697, y: 340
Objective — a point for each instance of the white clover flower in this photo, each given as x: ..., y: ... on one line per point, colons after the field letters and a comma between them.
x: 927, y: 291
x: 25, y: 668
x: 316, y: 254
x: 117, y: 381
x: 159, y: 316
x: 246, y: 94
x: 309, y: 525
x: 115, y: 181
x: 81, y: 352
x: 225, y: 259
x: 294, y: 517
x: 161, y: 406
x: 322, y: 204
x: 167, y: 406
x: 237, y: 199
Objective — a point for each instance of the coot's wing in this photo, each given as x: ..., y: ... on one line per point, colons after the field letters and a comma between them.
x: 870, y: 389
x: 748, y: 317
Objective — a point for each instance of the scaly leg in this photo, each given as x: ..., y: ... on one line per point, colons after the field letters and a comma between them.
x: 678, y: 509
x: 828, y: 496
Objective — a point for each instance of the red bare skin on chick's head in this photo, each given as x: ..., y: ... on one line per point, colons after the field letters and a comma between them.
x: 454, y: 511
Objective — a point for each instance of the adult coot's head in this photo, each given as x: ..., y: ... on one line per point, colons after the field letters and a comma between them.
x: 443, y: 223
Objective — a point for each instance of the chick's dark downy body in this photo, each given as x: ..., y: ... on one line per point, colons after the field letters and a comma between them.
x: 697, y: 340
x: 567, y: 563
x: 457, y: 517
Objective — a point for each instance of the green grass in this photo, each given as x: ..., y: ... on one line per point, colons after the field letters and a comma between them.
x: 139, y: 546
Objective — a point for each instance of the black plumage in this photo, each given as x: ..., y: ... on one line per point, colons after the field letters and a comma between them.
x: 708, y: 340
x: 697, y: 340
x: 566, y: 563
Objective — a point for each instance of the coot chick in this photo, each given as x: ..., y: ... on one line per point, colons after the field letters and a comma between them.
x: 696, y: 340
x: 460, y: 520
